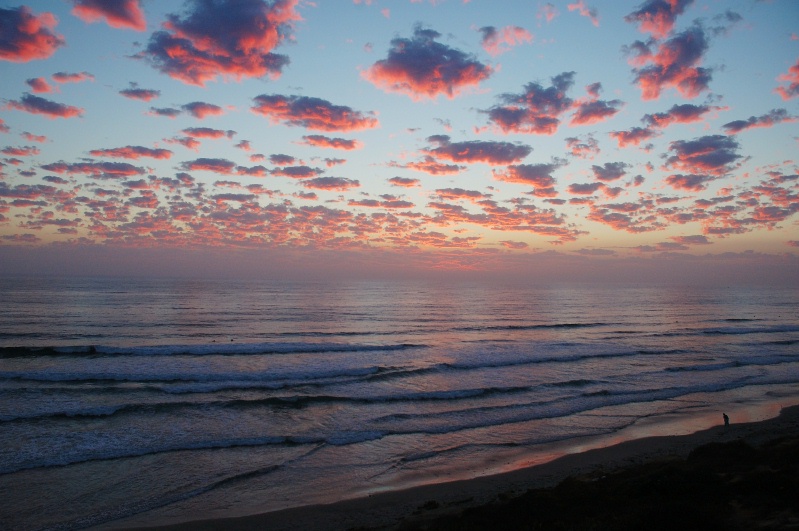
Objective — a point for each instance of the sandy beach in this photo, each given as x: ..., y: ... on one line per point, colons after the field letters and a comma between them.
x: 449, y: 505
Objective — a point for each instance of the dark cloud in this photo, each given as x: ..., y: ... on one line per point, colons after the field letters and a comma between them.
x: 537, y: 175
x: 136, y: 93
x: 25, y: 36
x: 591, y: 112
x: 634, y: 136
x: 38, y: 105
x: 132, y: 152
x: 72, y: 77
x: 215, y: 165
x: 312, y: 113
x: 208, y: 132
x: 103, y: 170
x: 674, y: 63
x: 657, y: 16
x: 117, y: 13
x: 296, y: 172
x: 770, y: 119
x: 168, y: 112
x: 404, y: 182
x: 536, y: 110
x: 584, y: 189
x: 679, y: 113
x: 227, y: 38
x: 791, y: 90
x: 333, y: 143
x: 711, y: 155
x: 200, y: 109
x: 610, y: 171
x: 489, y: 152
x: 691, y: 182
x: 338, y: 184
x: 421, y: 67
x: 497, y: 42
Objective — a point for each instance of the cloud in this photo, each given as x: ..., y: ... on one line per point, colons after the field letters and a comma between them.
x: 610, y: 171
x: 215, y: 165
x: 770, y: 119
x: 697, y: 239
x: 233, y: 39
x: 26, y: 36
x: 679, y: 113
x: 657, y: 16
x: 497, y: 42
x: 132, y: 152
x: 338, y: 184
x: 200, y: 109
x: 537, y: 175
x: 691, y: 182
x: 136, y: 93
x: 536, y: 110
x: 22, y: 151
x: 38, y: 105
x: 420, y: 67
x: 585, y: 11
x: 673, y: 64
x: 548, y: 12
x: 117, y: 13
x: 281, y: 160
x: 208, y: 132
x: 584, y: 189
x: 634, y: 136
x: 4, y: 127
x: 312, y: 113
x: 333, y: 143
x: 712, y: 155
x: 39, y: 85
x: 448, y: 194
x: 103, y: 170
x: 167, y: 112
x: 296, y: 172
x: 514, y: 245
x: 68, y: 77
x: 405, y: 182
x: 792, y: 80
x: 591, y: 112
x: 584, y: 149
x: 489, y: 152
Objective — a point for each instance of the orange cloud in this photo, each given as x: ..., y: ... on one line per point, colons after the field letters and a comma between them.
x: 132, y: 152
x: 792, y: 80
x: 333, y: 143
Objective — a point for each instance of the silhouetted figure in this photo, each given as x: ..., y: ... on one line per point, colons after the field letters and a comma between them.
x: 726, y: 419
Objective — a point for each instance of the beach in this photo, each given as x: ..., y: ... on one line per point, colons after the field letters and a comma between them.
x: 490, y: 498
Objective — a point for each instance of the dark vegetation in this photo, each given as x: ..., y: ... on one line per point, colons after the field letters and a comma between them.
x: 720, y: 486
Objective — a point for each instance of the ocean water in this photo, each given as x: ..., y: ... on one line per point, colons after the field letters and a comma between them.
x: 169, y: 400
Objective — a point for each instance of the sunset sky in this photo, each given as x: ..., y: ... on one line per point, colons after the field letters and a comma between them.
x: 357, y: 136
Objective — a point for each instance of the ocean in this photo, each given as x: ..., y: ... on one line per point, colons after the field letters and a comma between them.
x: 133, y: 401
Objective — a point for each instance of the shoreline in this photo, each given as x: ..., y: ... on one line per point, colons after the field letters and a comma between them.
x: 388, y: 510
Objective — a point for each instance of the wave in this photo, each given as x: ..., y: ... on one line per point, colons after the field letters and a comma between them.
x: 529, y: 327
x: 207, y: 349
x: 731, y: 330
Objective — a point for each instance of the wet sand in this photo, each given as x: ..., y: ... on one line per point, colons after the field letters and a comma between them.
x: 512, y: 497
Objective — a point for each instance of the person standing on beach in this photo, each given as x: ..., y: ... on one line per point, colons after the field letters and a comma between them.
x: 726, y: 419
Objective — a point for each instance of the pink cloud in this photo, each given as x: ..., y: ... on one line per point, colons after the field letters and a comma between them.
x: 215, y: 165
x: 489, y: 152
x: 132, y: 152
x: 497, y: 42
x: 39, y: 85
x: 26, y: 36
x: 208, y: 132
x: 337, y: 184
x: 38, y: 105
x: 104, y: 170
x: 691, y: 182
x: 585, y: 11
x: 536, y: 110
x: 595, y: 111
x: 4, y: 127
x: 672, y: 64
x: 429, y: 165
x: 770, y: 119
x: 420, y: 67
x: 448, y: 194
x: 296, y: 172
x: 713, y: 155
x: 117, y: 13
x: 333, y: 143
x: 792, y: 80
x: 229, y: 38
x: 31, y: 137
x: 679, y: 113
x: 201, y: 110
x: 404, y: 182
x: 548, y: 12
x: 312, y: 113
x: 584, y: 149
x: 657, y: 16
x: 537, y: 175
x: 67, y: 77
x: 136, y: 93
x: 514, y: 245
x: 634, y: 136
x: 22, y: 151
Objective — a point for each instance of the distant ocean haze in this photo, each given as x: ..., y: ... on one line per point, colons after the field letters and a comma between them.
x: 179, y: 399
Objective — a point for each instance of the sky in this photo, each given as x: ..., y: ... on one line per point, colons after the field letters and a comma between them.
x: 567, y: 139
